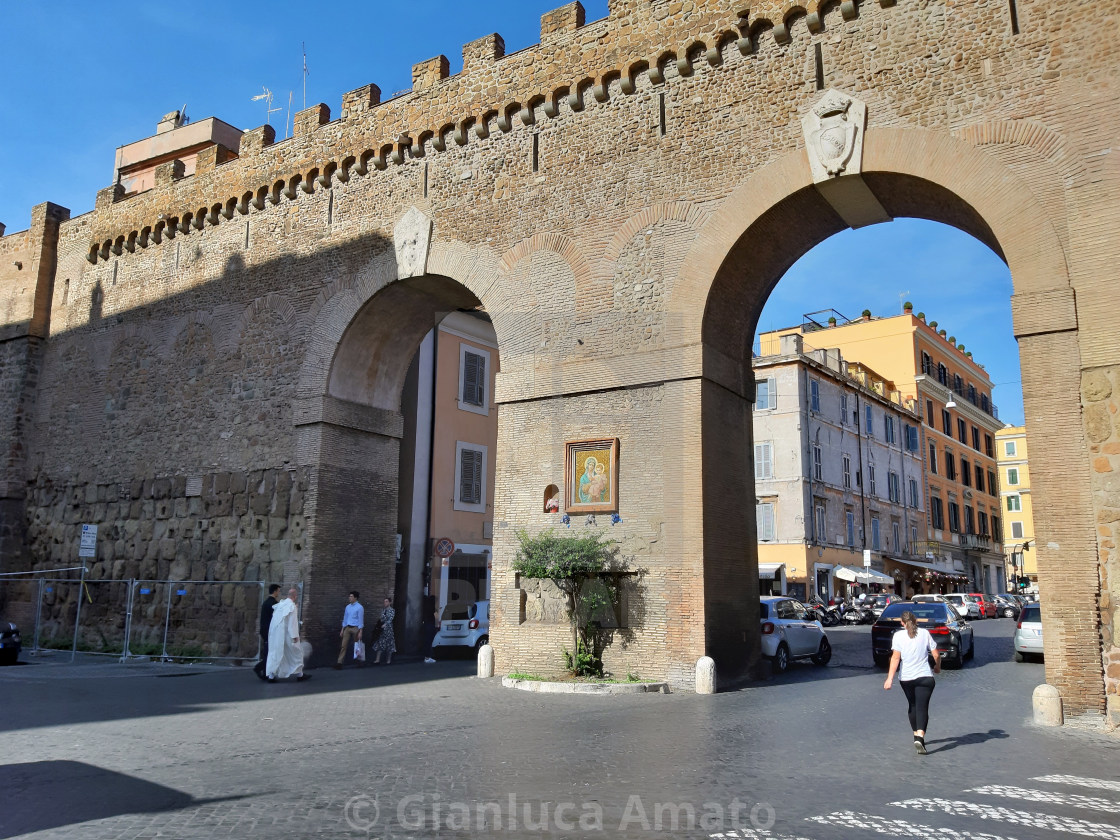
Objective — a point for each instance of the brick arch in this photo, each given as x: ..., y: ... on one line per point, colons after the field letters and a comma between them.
x: 679, y: 211
x: 271, y: 302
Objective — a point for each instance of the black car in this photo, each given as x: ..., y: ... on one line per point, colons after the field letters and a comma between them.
x: 952, y: 633
x: 10, y: 644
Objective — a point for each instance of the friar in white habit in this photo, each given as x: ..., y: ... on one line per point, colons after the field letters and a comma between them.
x: 285, y: 655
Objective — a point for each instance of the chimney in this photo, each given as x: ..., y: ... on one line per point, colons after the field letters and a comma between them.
x: 170, y: 122
x: 791, y: 344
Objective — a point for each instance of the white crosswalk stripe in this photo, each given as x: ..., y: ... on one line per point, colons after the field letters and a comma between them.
x: 1079, y: 781
x: 1046, y: 797
x: 752, y: 834
x: 1045, y: 822
x: 898, y: 828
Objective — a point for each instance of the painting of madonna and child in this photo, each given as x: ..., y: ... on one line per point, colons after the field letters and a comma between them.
x: 591, y: 467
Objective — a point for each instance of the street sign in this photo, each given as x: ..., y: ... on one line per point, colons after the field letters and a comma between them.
x: 867, y: 558
x: 88, y: 547
x: 445, y: 547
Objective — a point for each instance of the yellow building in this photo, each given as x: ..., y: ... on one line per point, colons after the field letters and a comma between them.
x: 1015, y: 478
x: 959, y: 422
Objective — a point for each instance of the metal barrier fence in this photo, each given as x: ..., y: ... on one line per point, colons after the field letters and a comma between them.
x: 132, y: 618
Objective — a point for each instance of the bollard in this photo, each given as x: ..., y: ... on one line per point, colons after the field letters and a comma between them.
x: 485, y: 662
x: 705, y: 675
x: 1047, y: 706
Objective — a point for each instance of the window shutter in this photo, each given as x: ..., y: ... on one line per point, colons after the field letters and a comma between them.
x: 474, y: 379
x: 470, y: 477
x: 765, y: 522
x: 763, y: 468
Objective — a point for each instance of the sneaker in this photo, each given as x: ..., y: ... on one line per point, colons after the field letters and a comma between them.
x: 920, y: 746
x: 428, y: 659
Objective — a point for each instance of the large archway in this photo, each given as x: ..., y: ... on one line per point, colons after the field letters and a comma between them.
x: 778, y: 215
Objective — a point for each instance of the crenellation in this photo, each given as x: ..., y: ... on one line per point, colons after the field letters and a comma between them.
x: 562, y: 21
x: 483, y: 51
x: 305, y: 122
x: 212, y: 157
x: 427, y: 74
x: 255, y: 141
x: 360, y: 100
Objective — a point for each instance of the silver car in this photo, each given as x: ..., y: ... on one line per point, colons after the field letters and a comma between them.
x: 789, y: 633
x: 1028, y: 633
x: 962, y: 602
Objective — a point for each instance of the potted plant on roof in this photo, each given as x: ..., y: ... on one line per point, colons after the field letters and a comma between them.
x: 908, y: 308
x: 832, y: 320
x: 866, y: 314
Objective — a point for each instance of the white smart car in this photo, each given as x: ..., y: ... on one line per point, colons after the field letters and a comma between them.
x: 463, y: 626
x: 1028, y: 633
x: 789, y: 633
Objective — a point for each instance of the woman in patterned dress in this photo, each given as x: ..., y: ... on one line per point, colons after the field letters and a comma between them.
x: 387, y: 642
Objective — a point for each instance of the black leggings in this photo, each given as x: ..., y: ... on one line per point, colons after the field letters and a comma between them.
x: 917, y: 694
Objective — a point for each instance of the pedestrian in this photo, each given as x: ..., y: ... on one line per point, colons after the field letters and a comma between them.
x: 431, y: 627
x: 285, y: 655
x: 912, y: 646
x: 353, y: 621
x: 266, y: 621
x: 387, y: 642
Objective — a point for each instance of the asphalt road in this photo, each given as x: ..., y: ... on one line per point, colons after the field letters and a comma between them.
x: 414, y: 750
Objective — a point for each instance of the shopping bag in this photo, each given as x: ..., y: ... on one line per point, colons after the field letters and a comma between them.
x: 359, y: 651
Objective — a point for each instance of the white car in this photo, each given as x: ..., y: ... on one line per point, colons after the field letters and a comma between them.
x: 961, y: 609
x: 959, y: 600
x: 463, y: 626
x: 789, y: 633
x: 1028, y: 633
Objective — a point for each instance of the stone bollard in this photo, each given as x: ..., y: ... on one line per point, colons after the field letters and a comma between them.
x: 485, y: 662
x: 1047, y: 706
x: 705, y: 675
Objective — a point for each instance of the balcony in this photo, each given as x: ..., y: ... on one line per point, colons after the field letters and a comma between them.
x: 975, y: 542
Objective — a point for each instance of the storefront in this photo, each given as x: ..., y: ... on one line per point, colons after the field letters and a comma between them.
x: 771, y: 579
x: 914, y: 577
x: 854, y: 581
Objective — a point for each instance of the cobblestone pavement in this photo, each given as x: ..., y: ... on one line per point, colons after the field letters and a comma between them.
x: 411, y: 750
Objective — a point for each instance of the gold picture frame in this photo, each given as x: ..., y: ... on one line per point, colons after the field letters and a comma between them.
x: 591, y: 476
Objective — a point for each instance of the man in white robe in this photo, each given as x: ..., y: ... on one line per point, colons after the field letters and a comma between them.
x: 285, y: 655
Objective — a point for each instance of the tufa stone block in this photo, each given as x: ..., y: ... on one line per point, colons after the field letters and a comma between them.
x: 483, y: 51
x: 305, y: 122
x: 427, y: 74
x: 359, y: 101
x: 565, y: 19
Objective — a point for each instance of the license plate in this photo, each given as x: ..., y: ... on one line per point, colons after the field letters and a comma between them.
x: 1036, y: 632
x: 454, y: 626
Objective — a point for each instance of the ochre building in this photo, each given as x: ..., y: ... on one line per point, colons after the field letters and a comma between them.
x: 212, y: 369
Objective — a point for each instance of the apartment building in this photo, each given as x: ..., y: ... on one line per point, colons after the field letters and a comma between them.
x: 1015, y: 497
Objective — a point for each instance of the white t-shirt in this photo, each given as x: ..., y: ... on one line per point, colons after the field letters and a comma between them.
x: 915, y: 653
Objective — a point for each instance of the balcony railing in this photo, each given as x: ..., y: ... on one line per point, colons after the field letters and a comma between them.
x: 975, y: 542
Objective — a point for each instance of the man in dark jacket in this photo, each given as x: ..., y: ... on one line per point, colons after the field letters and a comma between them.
x: 266, y: 621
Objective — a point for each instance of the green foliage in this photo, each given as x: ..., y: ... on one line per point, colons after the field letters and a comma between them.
x: 585, y: 568
x: 866, y: 313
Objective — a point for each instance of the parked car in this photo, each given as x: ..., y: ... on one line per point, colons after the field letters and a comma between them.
x: 788, y: 633
x: 1028, y: 633
x: 10, y: 643
x: 954, y: 635
x: 879, y: 602
x: 963, y: 602
x: 1007, y: 607
x: 463, y: 626
x: 986, y: 604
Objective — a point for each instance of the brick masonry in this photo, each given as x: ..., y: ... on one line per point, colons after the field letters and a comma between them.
x: 248, y: 320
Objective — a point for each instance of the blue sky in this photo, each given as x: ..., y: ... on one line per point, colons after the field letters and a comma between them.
x: 82, y: 78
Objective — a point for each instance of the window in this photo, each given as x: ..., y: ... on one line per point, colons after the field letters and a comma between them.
x: 985, y: 403
x: 942, y: 374
x: 911, y: 438
x: 869, y: 425
x: 927, y: 364
x: 765, y: 396
x: 993, y: 488
x: 966, y: 472
x: 1009, y: 448
x: 474, y: 382
x: 1012, y: 476
x: 913, y: 535
x: 888, y: 428
x: 996, y: 535
x: 982, y: 523
x: 850, y: 519
x: 954, y: 517
x: 894, y: 489
x: 988, y: 446
x: 818, y: 468
x: 1014, y: 504
x: 962, y: 431
x: 958, y: 384
x: 848, y: 472
x: 470, y: 477
x: 819, y: 522
x: 950, y: 467
x: 896, y: 537
x: 1016, y: 530
x: 969, y: 520
x: 875, y: 537
x: 814, y: 395
x: 764, y: 514
x: 979, y: 479
x: 933, y: 459
x: 929, y: 412
x: 843, y: 409
x: 975, y: 438
x: 913, y: 492
x: 936, y: 513
x: 871, y: 478
x: 763, y: 461
x: 946, y: 422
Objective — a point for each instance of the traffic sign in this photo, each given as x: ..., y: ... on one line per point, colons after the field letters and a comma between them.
x: 445, y: 547
x: 867, y: 558
x: 88, y: 547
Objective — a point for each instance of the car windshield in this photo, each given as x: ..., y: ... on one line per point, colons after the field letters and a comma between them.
x: 1032, y: 612
x: 926, y: 613
x: 457, y: 612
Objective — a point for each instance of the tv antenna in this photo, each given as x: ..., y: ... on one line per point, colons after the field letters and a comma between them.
x: 303, y: 46
x: 269, y: 110
x: 901, y: 298
x: 183, y: 118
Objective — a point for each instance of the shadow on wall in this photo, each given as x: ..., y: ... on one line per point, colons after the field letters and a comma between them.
x: 61, y: 793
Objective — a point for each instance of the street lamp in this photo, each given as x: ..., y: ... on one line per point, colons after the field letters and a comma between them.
x: 1016, y: 560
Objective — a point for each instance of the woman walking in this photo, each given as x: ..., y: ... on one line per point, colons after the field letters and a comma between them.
x: 387, y: 642
x: 912, y: 646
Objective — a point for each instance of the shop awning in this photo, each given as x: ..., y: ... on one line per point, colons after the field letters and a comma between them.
x: 862, y: 576
x: 769, y: 571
